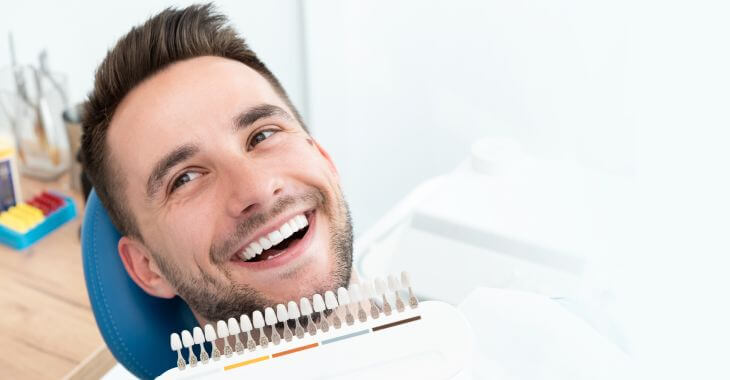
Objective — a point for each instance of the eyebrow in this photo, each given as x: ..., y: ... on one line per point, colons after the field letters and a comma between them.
x: 166, y: 163
x: 246, y: 118
x: 243, y: 120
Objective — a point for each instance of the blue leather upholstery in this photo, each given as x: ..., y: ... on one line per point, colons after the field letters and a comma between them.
x: 135, y: 326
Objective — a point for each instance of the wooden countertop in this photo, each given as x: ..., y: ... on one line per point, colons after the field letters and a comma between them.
x: 46, y: 324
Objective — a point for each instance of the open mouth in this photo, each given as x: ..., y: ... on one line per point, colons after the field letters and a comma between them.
x: 276, y: 242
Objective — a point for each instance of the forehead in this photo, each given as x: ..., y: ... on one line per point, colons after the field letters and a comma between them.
x: 181, y: 104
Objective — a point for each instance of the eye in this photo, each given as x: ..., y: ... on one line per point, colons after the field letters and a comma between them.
x: 183, y: 179
x: 261, y: 136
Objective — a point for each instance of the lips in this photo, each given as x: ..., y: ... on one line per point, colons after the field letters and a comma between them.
x: 274, y: 238
x: 289, y: 240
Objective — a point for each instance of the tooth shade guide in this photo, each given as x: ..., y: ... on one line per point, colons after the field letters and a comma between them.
x: 293, y: 350
x: 176, y: 345
x: 245, y: 362
x: 283, y: 316
x: 210, y: 335
x: 270, y: 316
x: 298, y: 329
x: 348, y: 302
x: 175, y: 342
x: 334, y: 337
x: 346, y: 336
x: 330, y: 300
x: 396, y: 323
x: 305, y: 307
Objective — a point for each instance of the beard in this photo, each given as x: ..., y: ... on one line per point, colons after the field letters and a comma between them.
x: 217, y: 299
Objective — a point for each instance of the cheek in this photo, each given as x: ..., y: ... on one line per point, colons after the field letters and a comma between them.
x: 185, y: 234
x: 302, y: 159
x: 308, y: 166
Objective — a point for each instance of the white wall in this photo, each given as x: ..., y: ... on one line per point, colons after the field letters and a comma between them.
x: 638, y: 89
x: 399, y: 90
x: 77, y: 34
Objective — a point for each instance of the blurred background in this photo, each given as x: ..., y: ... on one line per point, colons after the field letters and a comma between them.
x: 577, y: 149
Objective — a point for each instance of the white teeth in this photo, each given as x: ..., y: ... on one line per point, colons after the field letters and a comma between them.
x: 265, y: 243
x: 294, y: 225
x: 249, y: 252
x: 286, y: 230
x: 275, y: 237
x: 302, y: 221
x: 257, y: 248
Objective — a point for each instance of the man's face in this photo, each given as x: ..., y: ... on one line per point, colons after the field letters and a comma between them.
x: 212, y: 162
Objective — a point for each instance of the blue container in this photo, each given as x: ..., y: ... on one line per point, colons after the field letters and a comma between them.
x: 51, y: 222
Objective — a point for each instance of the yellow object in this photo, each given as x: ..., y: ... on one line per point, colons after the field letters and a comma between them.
x: 7, y: 147
x: 246, y: 362
x: 21, y: 217
x: 30, y: 210
x: 27, y: 214
x: 14, y: 222
x: 7, y: 152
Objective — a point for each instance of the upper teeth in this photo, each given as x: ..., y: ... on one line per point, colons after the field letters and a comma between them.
x: 275, y: 237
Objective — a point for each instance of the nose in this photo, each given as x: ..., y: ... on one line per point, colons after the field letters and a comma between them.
x: 251, y: 189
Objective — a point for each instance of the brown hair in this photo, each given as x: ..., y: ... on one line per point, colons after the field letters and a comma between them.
x: 172, y: 35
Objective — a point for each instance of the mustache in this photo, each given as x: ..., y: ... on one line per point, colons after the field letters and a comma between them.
x: 220, y: 253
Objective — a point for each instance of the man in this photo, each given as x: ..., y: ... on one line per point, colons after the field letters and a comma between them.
x: 207, y: 170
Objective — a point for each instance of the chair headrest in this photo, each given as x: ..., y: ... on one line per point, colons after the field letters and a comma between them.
x: 135, y: 326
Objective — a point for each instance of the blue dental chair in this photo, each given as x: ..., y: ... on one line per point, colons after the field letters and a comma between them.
x: 135, y: 326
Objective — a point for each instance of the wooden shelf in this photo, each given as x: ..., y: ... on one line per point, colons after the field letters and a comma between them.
x: 46, y: 324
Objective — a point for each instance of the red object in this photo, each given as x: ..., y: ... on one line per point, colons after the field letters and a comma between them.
x: 48, y: 202
x: 44, y: 202
x: 44, y: 208
x: 52, y: 199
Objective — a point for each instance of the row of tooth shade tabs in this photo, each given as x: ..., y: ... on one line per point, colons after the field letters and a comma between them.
x: 26, y: 215
x: 348, y: 304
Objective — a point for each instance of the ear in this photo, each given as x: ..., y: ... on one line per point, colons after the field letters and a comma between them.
x: 326, y: 156
x: 142, y: 268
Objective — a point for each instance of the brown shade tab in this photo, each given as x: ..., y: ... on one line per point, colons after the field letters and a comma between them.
x: 396, y: 323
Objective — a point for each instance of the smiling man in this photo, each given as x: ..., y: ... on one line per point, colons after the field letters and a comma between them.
x: 207, y: 170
